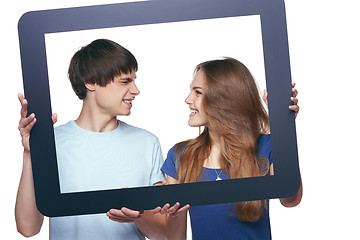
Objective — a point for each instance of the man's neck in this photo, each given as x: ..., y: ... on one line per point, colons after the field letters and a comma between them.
x: 91, y: 120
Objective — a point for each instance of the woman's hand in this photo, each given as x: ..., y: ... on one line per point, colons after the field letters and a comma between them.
x: 294, y: 99
x: 173, y: 211
x: 294, y: 107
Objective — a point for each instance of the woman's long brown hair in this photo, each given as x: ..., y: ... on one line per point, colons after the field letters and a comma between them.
x: 234, y: 110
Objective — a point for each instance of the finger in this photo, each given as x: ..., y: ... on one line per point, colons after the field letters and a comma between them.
x: 294, y: 100
x: 293, y: 84
x: 120, y: 220
x: 295, y: 108
x: 23, y: 110
x: 157, y: 210
x: 181, y: 210
x: 119, y: 216
x: 161, y: 183
x: 115, y: 213
x: 23, y: 123
x: 130, y: 213
x: 165, y: 209
x: 20, y: 97
x: 173, y: 208
x: 264, y: 96
x: 295, y: 92
x: 28, y: 127
x: 54, y: 118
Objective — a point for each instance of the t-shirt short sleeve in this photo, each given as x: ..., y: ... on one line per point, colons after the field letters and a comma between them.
x: 156, y: 174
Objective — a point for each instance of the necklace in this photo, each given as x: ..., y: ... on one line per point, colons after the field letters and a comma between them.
x: 218, y: 175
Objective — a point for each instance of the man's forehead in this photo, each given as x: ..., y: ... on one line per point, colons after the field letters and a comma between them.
x: 131, y: 75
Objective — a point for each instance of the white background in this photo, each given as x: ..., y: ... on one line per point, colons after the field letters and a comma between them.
x: 167, y: 55
x: 324, y: 52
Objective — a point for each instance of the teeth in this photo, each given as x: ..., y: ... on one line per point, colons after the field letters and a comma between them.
x: 127, y: 101
x: 193, y: 111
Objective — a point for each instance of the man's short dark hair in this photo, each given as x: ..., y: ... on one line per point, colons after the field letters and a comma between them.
x: 99, y: 63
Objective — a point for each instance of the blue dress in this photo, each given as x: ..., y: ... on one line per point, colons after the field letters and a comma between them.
x: 219, y: 221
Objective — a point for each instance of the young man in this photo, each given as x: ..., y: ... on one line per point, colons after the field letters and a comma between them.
x: 96, y: 151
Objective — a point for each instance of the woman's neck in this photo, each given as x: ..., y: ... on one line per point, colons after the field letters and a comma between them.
x: 214, y: 159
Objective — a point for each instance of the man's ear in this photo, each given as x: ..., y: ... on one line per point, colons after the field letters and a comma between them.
x: 90, y: 87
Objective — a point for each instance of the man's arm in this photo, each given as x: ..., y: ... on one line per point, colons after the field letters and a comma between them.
x: 152, y: 226
x: 28, y: 219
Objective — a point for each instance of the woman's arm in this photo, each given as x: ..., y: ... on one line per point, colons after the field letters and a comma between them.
x: 294, y: 200
x: 175, y: 217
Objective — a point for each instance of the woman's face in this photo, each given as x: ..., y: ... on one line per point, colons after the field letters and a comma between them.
x: 195, y: 99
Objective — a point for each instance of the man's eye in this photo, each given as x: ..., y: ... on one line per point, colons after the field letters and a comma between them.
x: 125, y: 82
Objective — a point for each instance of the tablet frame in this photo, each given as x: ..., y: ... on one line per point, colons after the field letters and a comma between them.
x: 51, y: 202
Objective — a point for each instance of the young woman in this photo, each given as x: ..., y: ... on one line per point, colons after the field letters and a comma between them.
x: 235, y: 143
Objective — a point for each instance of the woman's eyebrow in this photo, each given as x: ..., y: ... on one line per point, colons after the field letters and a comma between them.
x: 194, y: 88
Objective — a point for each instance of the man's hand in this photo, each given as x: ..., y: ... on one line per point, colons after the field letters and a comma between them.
x: 124, y: 215
x: 27, y: 123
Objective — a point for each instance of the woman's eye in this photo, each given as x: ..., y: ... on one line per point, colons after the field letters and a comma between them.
x: 198, y: 92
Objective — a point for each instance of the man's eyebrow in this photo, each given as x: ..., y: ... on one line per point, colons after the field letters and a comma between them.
x: 128, y: 78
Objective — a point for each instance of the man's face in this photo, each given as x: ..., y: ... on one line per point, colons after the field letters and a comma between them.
x: 116, y: 97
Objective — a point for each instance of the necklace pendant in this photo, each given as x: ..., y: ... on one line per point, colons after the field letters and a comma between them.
x: 218, y: 178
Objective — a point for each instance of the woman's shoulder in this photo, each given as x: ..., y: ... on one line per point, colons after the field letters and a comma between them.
x: 264, y: 139
x: 171, y: 166
x: 179, y: 147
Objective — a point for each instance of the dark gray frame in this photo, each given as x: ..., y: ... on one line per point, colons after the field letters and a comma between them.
x: 50, y: 202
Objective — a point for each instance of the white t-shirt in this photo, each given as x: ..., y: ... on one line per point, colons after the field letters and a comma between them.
x: 88, y: 161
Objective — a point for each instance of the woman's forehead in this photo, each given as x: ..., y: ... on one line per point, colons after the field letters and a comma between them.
x: 199, y: 80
